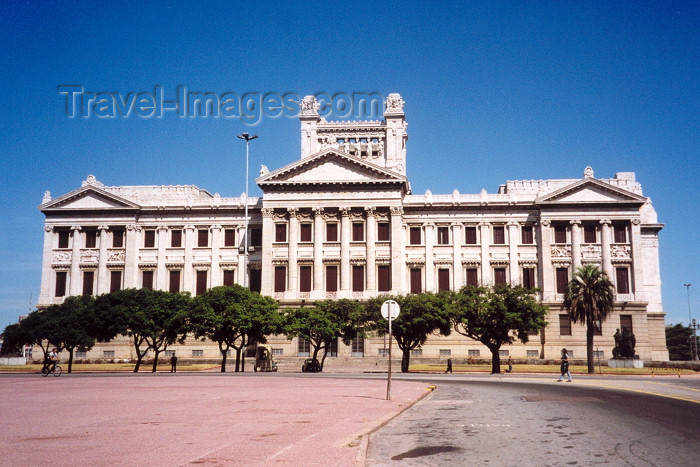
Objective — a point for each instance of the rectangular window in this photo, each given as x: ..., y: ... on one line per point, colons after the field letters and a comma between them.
x: 305, y: 279
x: 384, y: 352
x: 564, y: 325
x: 280, y: 278
x: 256, y: 236
x: 589, y: 233
x: 414, y: 352
x: 115, y: 281
x: 88, y: 282
x: 443, y: 235
x: 280, y: 233
x: 529, y: 278
x: 499, y: 276
x: 620, y: 233
x: 470, y: 235
x: 201, y: 285
x: 358, y: 278
x: 174, y: 285
x: 533, y: 353
x: 415, y: 235
x: 597, y: 328
x: 202, y: 238
x: 80, y: 354
x: 562, y: 276
x: 443, y: 279
x: 176, y: 238
x: 108, y: 353
x: 63, y: 236
x: 472, y: 277
x: 384, y: 278
x: 623, y: 280
x: 499, y: 235
x: 445, y: 352
x: 332, y: 232
x: 303, y: 347
x: 149, y: 238
x: 197, y: 353
x: 527, y: 235
x: 229, y: 277
x: 358, y: 232
x: 333, y: 348
x: 118, y: 238
x: 305, y: 232
x: 61, y: 277
x: 473, y: 353
x: 147, y: 279
x: 255, y: 280
x: 416, y: 280
x: 229, y: 237
x: 168, y: 353
x: 559, y: 234
x: 383, y: 232
x: 331, y: 278
x: 277, y: 352
x: 626, y: 322
x: 358, y: 347
x: 91, y: 239
x: 504, y: 353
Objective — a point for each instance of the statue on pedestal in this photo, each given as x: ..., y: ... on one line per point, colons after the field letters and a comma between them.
x: 624, y: 344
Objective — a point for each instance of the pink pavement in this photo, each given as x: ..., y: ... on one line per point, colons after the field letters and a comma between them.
x: 168, y: 419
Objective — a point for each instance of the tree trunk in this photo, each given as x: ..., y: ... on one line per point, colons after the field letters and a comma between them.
x: 495, y: 361
x: 589, y: 348
x: 238, y: 359
x: 405, y: 360
x: 155, y: 361
x: 223, y: 358
x: 70, y: 359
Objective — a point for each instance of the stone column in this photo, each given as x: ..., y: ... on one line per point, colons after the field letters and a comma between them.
x: 544, y: 267
x: 216, y: 279
x: 75, y: 262
x: 292, y: 238
x: 485, y: 232
x: 575, y: 244
x: 102, y: 271
x: 188, y: 273
x: 131, y: 256
x: 268, y: 271
x: 370, y: 245
x: 398, y: 256
x: 513, y: 242
x: 161, y: 279
x: 318, y: 252
x: 430, y: 285
x: 605, y: 242
x: 46, y: 270
x: 457, y: 236
x: 345, y: 251
x: 240, y: 270
x: 637, y: 272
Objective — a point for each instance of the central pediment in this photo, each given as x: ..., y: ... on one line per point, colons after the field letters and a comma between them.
x: 88, y: 198
x: 330, y: 167
x: 590, y: 190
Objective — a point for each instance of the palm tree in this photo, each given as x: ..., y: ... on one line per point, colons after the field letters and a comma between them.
x: 589, y: 300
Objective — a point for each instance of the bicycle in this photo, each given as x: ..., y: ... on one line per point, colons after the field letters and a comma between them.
x: 56, y: 370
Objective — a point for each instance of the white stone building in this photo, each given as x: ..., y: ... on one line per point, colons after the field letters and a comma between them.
x: 341, y: 222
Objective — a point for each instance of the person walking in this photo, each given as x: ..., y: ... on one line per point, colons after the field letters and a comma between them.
x: 449, y: 366
x: 564, y: 367
x: 173, y: 364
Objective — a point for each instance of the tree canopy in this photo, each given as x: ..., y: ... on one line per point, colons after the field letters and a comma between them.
x: 496, y: 316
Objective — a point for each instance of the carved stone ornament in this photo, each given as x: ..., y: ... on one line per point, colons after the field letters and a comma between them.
x: 116, y: 256
x: 588, y: 172
x: 546, y: 222
x: 393, y: 103
x: 132, y: 227
x: 620, y: 251
x: 48, y: 228
x: 559, y: 251
x: 293, y: 212
x: 47, y: 197
x: 89, y: 256
x: 61, y: 256
x: 309, y: 106
x: 636, y: 221
x: 267, y: 212
x: 264, y: 170
x: 76, y: 227
x: 317, y: 211
x: 397, y: 210
x: 371, y: 211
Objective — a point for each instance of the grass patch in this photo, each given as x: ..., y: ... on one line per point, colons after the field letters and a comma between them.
x: 107, y: 367
x: 553, y: 369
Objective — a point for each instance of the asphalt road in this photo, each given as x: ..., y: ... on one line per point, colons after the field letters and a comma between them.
x: 535, y: 421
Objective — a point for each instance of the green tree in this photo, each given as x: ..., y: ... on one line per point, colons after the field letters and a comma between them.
x: 496, y: 316
x: 167, y: 321
x: 589, y: 300
x: 39, y: 328
x: 421, y: 315
x: 13, y: 340
x: 234, y: 317
x: 678, y: 339
x: 72, y: 321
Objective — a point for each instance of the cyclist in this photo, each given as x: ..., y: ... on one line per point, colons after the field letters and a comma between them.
x: 51, y: 360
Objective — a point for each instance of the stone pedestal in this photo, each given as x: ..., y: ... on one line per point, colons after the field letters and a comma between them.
x: 625, y: 363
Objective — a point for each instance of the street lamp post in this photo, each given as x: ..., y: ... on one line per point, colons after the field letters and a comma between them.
x: 691, y: 325
x: 247, y: 139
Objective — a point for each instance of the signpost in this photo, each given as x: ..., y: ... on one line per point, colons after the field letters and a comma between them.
x: 390, y: 310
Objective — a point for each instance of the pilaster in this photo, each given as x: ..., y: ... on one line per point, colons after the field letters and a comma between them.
x: 102, y: 271
x: 637, y: 279
x: 268, y: 235
x: 575, y: 243
x: 513, y: 241
x: 216, y: 279
x: 345, y: 250
x: 318, y: 250
x: 370, y: 245
x: 188, y: 273
x: 457, y: 236
x: 605, y: 242
x: 544, y: 269
x: 46, y: 270
x: 133, y: 241
x: 75, y: 261
x: 485, y: 233
x: 292, y: 238
x: 430, y: 284
x: 398, y: 255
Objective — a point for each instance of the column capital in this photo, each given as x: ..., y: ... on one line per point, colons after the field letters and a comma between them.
x: 636, y: 221
x: 161, y: 228
x: 103, y: 227
x: 215, y: 227
x: 188, y: 227
x: 605, y: 222
x: 397, y: 210
x: 344, y: 211
x: 575, y: 222
x: 318, y: 211
x: 76, y: 227
x: 545, y: 222
x: 293, y: 212
x: 371, y: 210
x: 513, y: 224
x: 267, y: 212
x: 132, y: 227
x: 48, y: 228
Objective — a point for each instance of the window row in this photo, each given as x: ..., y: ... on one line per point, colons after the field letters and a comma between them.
x: 332, y: 232
x: 565, y: 325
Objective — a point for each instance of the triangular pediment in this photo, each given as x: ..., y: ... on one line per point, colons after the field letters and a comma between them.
x: 588, y: 191
x: 88, y: 198
x: 330, y: 167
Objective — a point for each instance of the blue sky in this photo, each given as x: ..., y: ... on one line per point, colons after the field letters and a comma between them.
x: 494, y: 91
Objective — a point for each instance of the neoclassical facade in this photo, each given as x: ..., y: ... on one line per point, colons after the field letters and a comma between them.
x: 342, y: 222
